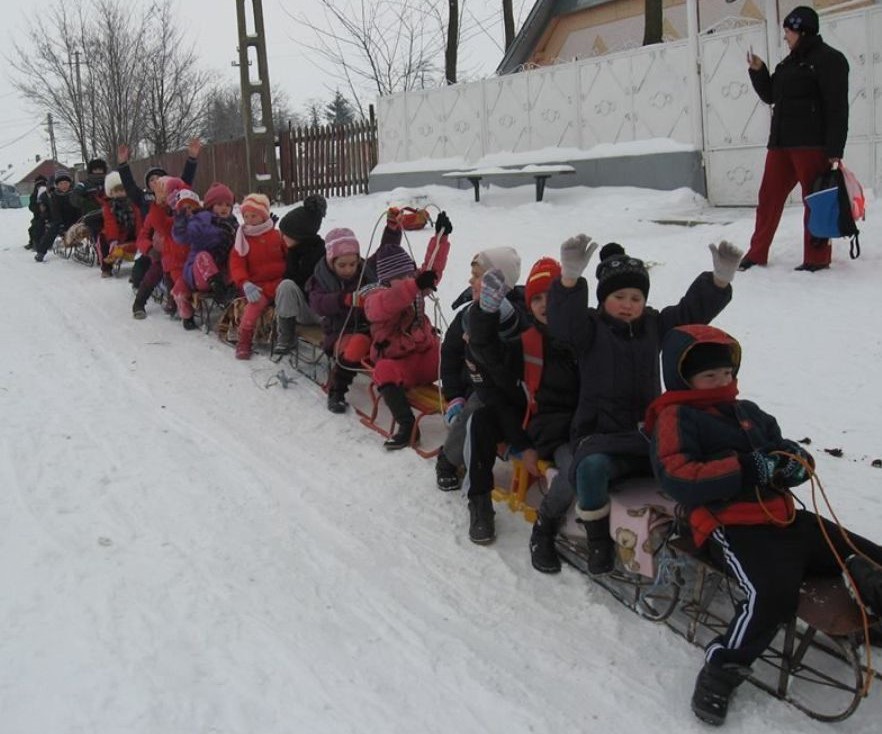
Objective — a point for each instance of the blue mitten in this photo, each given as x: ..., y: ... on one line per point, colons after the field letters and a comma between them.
x: 493, y: 290
x: 454, y: 408
x: 251, y: 291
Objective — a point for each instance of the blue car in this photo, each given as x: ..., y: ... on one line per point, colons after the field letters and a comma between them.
x: 9, y: 198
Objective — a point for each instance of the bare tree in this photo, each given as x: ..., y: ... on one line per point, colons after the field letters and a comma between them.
x: 47, y: 72
x: 118, y: 77
x: 452, y: 41
x: 176, y: 101
x: 653, y: 24
x: 379, y: 46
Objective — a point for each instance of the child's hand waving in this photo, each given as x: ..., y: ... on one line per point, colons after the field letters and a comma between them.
x: 575, y: 253
x: 727, y: 258
x: 493, y: 290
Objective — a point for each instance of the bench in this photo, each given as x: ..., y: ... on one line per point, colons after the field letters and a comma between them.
x: 540, y: 173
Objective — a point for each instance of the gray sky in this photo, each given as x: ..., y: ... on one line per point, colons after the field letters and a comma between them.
x: 212, y: 25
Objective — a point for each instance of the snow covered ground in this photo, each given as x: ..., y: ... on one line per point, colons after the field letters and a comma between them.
x: 185, y: 550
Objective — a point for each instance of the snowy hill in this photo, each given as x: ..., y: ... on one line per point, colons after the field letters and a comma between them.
x: 183, y: 549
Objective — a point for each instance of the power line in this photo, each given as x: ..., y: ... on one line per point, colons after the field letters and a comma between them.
x: 20, y: 137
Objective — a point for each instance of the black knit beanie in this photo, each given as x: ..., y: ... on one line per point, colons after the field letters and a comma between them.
x: 803, y: 20
x: 617, y: 270
x: 305, y: 220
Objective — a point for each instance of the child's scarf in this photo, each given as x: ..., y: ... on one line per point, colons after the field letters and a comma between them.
x: 250, y: 230
x: 694, y: 398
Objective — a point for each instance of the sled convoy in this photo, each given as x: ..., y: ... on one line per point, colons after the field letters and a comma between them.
x: 820, y: 660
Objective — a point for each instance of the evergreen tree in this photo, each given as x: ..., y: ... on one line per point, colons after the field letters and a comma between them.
x: 339, y: 111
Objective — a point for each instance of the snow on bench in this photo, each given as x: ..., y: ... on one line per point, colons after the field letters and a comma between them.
x: 540, y: 173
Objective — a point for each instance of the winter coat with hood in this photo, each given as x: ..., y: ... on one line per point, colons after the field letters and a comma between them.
x: 88, y: 196
x: 327, y: 298
x: 702, y: 444
x: 156, y: 229
x: 618, y: 360
x: 396, y: 311
x: 205, y: 232
x: 809, y: 95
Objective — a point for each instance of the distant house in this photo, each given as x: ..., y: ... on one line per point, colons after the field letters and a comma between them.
x: 567, y: 30
x: 23, y: 175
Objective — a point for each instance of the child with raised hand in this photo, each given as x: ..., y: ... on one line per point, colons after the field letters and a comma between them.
x: 458, y: 372
x: 122, y: 222
x: 209, y: 232
x: 725, y: 461
x: 334, y: 290
x: 617, y: 347
x: 305, y: 250
x: 405, y: 346
x: 257, y: 265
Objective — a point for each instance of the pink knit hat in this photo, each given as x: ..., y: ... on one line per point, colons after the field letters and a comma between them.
x: 340, y: 242
x: 218, y: 193
x: 256, y: 203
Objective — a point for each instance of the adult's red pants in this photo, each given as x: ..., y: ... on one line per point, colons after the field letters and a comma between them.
x: 785, y: 167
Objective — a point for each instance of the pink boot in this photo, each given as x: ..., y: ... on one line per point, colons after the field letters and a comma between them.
x: 243, y: 346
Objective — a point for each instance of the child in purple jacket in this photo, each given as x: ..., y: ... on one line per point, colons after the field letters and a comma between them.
x: 334, y: 295
x: 210, y: 234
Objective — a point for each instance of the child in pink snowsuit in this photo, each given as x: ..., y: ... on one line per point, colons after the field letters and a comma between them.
x: 405, y: 348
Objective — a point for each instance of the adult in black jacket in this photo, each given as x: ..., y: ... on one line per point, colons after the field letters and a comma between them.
x: 809, y: 95
x: 617, y: 346
x: 299, y: 228
x: 62, y: 213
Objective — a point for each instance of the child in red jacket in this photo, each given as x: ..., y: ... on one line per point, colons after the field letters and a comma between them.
x: 257, y: 265
x: 122, y: 223
x: 725, y: 461
x: 404, y: 345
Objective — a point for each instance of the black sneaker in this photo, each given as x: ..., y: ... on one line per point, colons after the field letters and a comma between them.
x: 543, y: 554
x: 401, y: 438
x: 714, y: 687
x: 482, y: 526
x: 189, y: 324
x: 336, y: 402
x: 446, y: 474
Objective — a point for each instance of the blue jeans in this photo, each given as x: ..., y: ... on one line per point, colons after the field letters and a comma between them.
x: 596, y: 472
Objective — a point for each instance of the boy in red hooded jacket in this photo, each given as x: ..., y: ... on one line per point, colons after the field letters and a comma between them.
x: 725, y: 461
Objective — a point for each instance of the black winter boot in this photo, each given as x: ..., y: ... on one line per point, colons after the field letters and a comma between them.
x: 338, y: 386
x: 218, y: 289
x: 446, y: 474
x: 287, y: 335
x: 139, y: 309
x: 482, y: 526
x: 601, y: 549
x: 543, y: 554
x: 396, y: 399
x: 868, y: 579
x: 714, y: 687
x: 189, y: 324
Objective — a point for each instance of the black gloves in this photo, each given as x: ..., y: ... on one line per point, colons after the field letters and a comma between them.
x: 426, y: 280
x: 442, y: 224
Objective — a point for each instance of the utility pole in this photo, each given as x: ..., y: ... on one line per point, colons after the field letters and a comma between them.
x: 260, y: 140
x: 52, y: 137
x: 81, y: 118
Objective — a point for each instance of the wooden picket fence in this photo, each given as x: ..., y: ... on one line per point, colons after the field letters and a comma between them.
x: 332, y: 160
